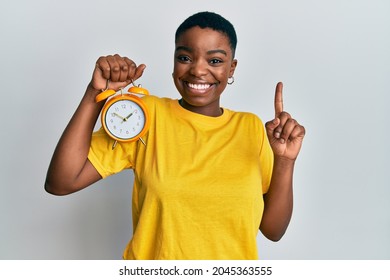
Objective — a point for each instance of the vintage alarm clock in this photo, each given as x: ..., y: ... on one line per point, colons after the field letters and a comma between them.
x: 125, y: 116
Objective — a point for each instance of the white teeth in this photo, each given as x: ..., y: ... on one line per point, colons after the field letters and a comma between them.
x: 199, y: 86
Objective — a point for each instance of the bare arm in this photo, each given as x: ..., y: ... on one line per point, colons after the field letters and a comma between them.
x: 285, y: 135
x: 278, y: 202
x: 70, y: 170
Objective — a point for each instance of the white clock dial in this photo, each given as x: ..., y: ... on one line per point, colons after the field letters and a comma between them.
x: 125, y: 119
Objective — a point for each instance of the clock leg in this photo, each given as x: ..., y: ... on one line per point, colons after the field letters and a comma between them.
x: 142, y: 140
x: 114, y: 145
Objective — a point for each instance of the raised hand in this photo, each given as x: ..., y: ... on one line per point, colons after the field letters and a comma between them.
x: 120, y: 71
x: 284, y: 133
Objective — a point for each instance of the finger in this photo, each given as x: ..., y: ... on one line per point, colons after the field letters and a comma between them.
x: 114, y: 68
x: 123, y: 68
x: 298, y: 132
x: 271, y: 126
x: 131, y: 68
x: 278, y: 99
x: 104, y: 67
x: 288, y: 129
x: 284, y: 117
x: 135, y: 72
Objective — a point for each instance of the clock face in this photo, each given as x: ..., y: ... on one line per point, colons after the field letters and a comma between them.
x: 124, y: 119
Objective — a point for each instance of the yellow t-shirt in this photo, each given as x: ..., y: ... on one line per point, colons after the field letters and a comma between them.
x: 198, y: 182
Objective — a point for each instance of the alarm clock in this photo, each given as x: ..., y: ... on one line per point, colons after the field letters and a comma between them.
x: 125, y: 116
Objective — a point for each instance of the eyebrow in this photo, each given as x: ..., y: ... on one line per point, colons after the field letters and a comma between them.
x: 188, y: 49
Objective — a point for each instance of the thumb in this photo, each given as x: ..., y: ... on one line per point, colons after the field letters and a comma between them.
x: 139, y: 71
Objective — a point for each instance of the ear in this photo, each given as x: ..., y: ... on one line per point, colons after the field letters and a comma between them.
x: 233, y: 67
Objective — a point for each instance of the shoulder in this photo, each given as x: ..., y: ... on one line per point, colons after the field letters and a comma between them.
x: 246, y: 117
x: 159, y: 107
x: 247, y: 122
x: 155, y: 100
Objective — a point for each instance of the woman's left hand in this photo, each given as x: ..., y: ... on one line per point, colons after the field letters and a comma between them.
x: 284, y: 133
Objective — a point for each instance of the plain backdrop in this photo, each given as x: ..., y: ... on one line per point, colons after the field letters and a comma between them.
x: 333, y: 57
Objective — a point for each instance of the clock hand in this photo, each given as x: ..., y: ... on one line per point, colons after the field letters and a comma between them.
x: 123, y: 119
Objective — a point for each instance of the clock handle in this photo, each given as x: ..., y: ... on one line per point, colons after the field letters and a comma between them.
x: 138, y: 89
x: 104, y: 95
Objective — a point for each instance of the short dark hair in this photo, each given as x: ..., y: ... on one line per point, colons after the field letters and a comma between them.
x: 210, y: 20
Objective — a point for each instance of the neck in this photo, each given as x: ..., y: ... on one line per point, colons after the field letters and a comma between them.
x: 209, y: 111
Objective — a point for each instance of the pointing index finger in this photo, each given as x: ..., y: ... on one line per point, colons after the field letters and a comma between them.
x: 278, y: 99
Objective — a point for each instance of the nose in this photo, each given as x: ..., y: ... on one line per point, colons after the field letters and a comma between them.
x: 199, y: 68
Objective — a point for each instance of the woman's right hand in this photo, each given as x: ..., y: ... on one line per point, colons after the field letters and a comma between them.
x: 120, y: 71
x: 70, y: 170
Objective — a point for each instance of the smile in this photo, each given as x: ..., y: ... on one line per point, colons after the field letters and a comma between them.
x: 199, y: 86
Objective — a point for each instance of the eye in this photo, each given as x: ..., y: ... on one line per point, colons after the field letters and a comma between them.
x: 215, y: 61
x: 183, y: 58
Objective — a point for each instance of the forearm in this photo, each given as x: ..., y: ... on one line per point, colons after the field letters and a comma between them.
x: 278, y: 202
x: 70, y: 156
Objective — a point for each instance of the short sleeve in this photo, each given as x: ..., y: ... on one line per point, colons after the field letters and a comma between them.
x: 106, y: 160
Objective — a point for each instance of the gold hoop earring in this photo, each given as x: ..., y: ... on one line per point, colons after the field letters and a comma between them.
x: 230, y: 80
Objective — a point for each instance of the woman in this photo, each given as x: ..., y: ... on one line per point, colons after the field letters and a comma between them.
x: 208, y: 177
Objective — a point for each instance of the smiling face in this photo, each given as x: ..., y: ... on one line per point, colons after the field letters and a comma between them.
x: 203, y: 63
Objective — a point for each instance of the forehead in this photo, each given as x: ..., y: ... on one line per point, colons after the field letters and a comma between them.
x: 197, y: 38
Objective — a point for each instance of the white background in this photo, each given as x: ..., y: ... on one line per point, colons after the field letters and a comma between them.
x: 333, y: 57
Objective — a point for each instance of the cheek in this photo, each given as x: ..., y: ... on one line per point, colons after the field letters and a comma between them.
x: 223, y: 75
x: 175, y: 73
x: 178, y: 71
x: 176, y: 78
